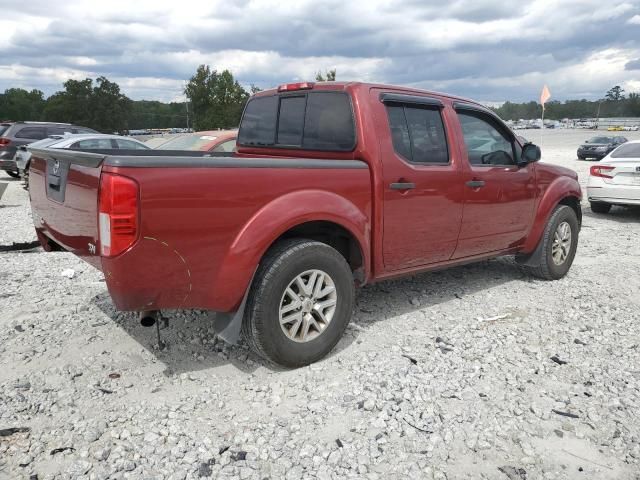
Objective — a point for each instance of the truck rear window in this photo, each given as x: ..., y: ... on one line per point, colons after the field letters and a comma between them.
x: 309, y: 121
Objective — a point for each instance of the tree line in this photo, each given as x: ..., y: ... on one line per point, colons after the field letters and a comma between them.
x: 96, y: 104
x: 215, y: 100
x: 614, y: 104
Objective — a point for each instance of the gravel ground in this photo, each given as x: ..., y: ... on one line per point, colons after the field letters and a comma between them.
x: 474, y: 372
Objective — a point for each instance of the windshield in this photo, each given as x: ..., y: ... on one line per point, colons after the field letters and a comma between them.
x: 601, y: 140
x: 189, y: 142
x: 628, y: 150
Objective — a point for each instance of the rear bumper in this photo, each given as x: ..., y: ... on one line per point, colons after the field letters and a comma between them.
x: 614, y: 194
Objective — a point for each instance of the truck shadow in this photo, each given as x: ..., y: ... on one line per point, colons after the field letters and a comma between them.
x: 424, y: 292
x: 189, y: 340
x: 192, y: 344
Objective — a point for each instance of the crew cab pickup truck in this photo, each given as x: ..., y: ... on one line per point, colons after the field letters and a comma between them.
x: 333, y: 185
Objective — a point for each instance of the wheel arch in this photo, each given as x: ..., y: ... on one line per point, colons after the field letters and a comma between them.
x: 563, y: 191
x: 313, y: 214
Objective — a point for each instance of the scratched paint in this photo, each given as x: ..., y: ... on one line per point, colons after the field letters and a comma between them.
x: 183, y: 261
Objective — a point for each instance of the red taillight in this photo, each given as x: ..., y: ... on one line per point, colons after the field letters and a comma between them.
x: 600, y: 171
x: 289, y: 87
x: 4, y: 142
x: 117, y: 214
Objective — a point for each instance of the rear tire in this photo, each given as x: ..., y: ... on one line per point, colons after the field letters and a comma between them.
x: 559, y: 245
x: 600, y: 207
x: 13, y: 174
x: 581, y: 158
x: 285, y: 288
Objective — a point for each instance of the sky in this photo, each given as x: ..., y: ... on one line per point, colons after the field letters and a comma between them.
x: 489, y: 50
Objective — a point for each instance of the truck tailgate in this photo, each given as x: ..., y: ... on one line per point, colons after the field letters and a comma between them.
x: 63, y: 187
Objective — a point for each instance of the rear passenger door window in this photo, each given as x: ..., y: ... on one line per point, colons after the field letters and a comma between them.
x: 418, y: 134
x: 486, y: 143
x: 33, y: 133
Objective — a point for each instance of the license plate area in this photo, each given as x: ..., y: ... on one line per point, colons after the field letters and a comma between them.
x: 57, y: 172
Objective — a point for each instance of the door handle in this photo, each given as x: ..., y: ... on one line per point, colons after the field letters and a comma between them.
x: 402, y: 186
x: 475, y: 183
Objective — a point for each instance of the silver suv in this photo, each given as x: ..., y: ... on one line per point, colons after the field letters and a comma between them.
x: 13, y: 135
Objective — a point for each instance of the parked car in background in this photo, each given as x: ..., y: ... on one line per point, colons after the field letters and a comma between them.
x: 83, y: 141
x: 208, y: 141
x: 599, y: 147
x: 615, y: 180
x: 334, y: 185
x: 157, y: 141
x: 24, y: 133
x: 631, y: 128
x: 615, y: 128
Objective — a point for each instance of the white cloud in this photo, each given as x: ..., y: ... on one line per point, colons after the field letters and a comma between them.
x: 487, y: 49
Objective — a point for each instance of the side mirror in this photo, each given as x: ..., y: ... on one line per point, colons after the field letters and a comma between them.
x: 530, y: 153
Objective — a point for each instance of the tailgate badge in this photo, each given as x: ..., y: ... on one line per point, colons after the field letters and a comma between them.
x: 56, y: 167
x: 92, y: 248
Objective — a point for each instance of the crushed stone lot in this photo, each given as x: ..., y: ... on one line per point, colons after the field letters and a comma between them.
x: 474, y: 372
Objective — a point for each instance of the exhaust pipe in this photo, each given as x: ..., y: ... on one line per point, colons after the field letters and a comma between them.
x: 148, y: 318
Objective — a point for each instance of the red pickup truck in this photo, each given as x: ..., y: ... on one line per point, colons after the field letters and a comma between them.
x: 333, y: 185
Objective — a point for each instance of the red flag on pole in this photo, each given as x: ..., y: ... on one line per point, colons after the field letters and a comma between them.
x: 545, y: 95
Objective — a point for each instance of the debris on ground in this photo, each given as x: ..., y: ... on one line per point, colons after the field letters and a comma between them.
x: 68, y: 273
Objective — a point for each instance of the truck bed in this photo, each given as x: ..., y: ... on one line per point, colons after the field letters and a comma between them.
x: 202, y: 217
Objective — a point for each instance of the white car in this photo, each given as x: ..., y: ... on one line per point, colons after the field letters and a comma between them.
x: 615, y: 180
x: 84, y: 141
x: 631, y: 128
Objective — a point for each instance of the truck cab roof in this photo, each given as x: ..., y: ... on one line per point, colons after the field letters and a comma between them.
x: 345, y: 86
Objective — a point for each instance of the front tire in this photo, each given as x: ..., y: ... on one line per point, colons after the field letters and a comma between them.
x: 600, y: 207
x: 559, y: 244
x: 300, y: 303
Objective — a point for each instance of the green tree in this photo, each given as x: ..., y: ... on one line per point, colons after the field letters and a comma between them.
x: 197, y: 91
x: 110, y: 108
x: 633, y: 105
x: 72, y: 105
x: 217, y: 99
x: 19, y: 104
x: 154, y: 114
x: 102, y: 107
x: 615, y: 94
x: 329, y: 76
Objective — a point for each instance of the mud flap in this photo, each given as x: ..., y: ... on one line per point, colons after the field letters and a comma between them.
x: 532, y: 259
x: 228, y: 324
